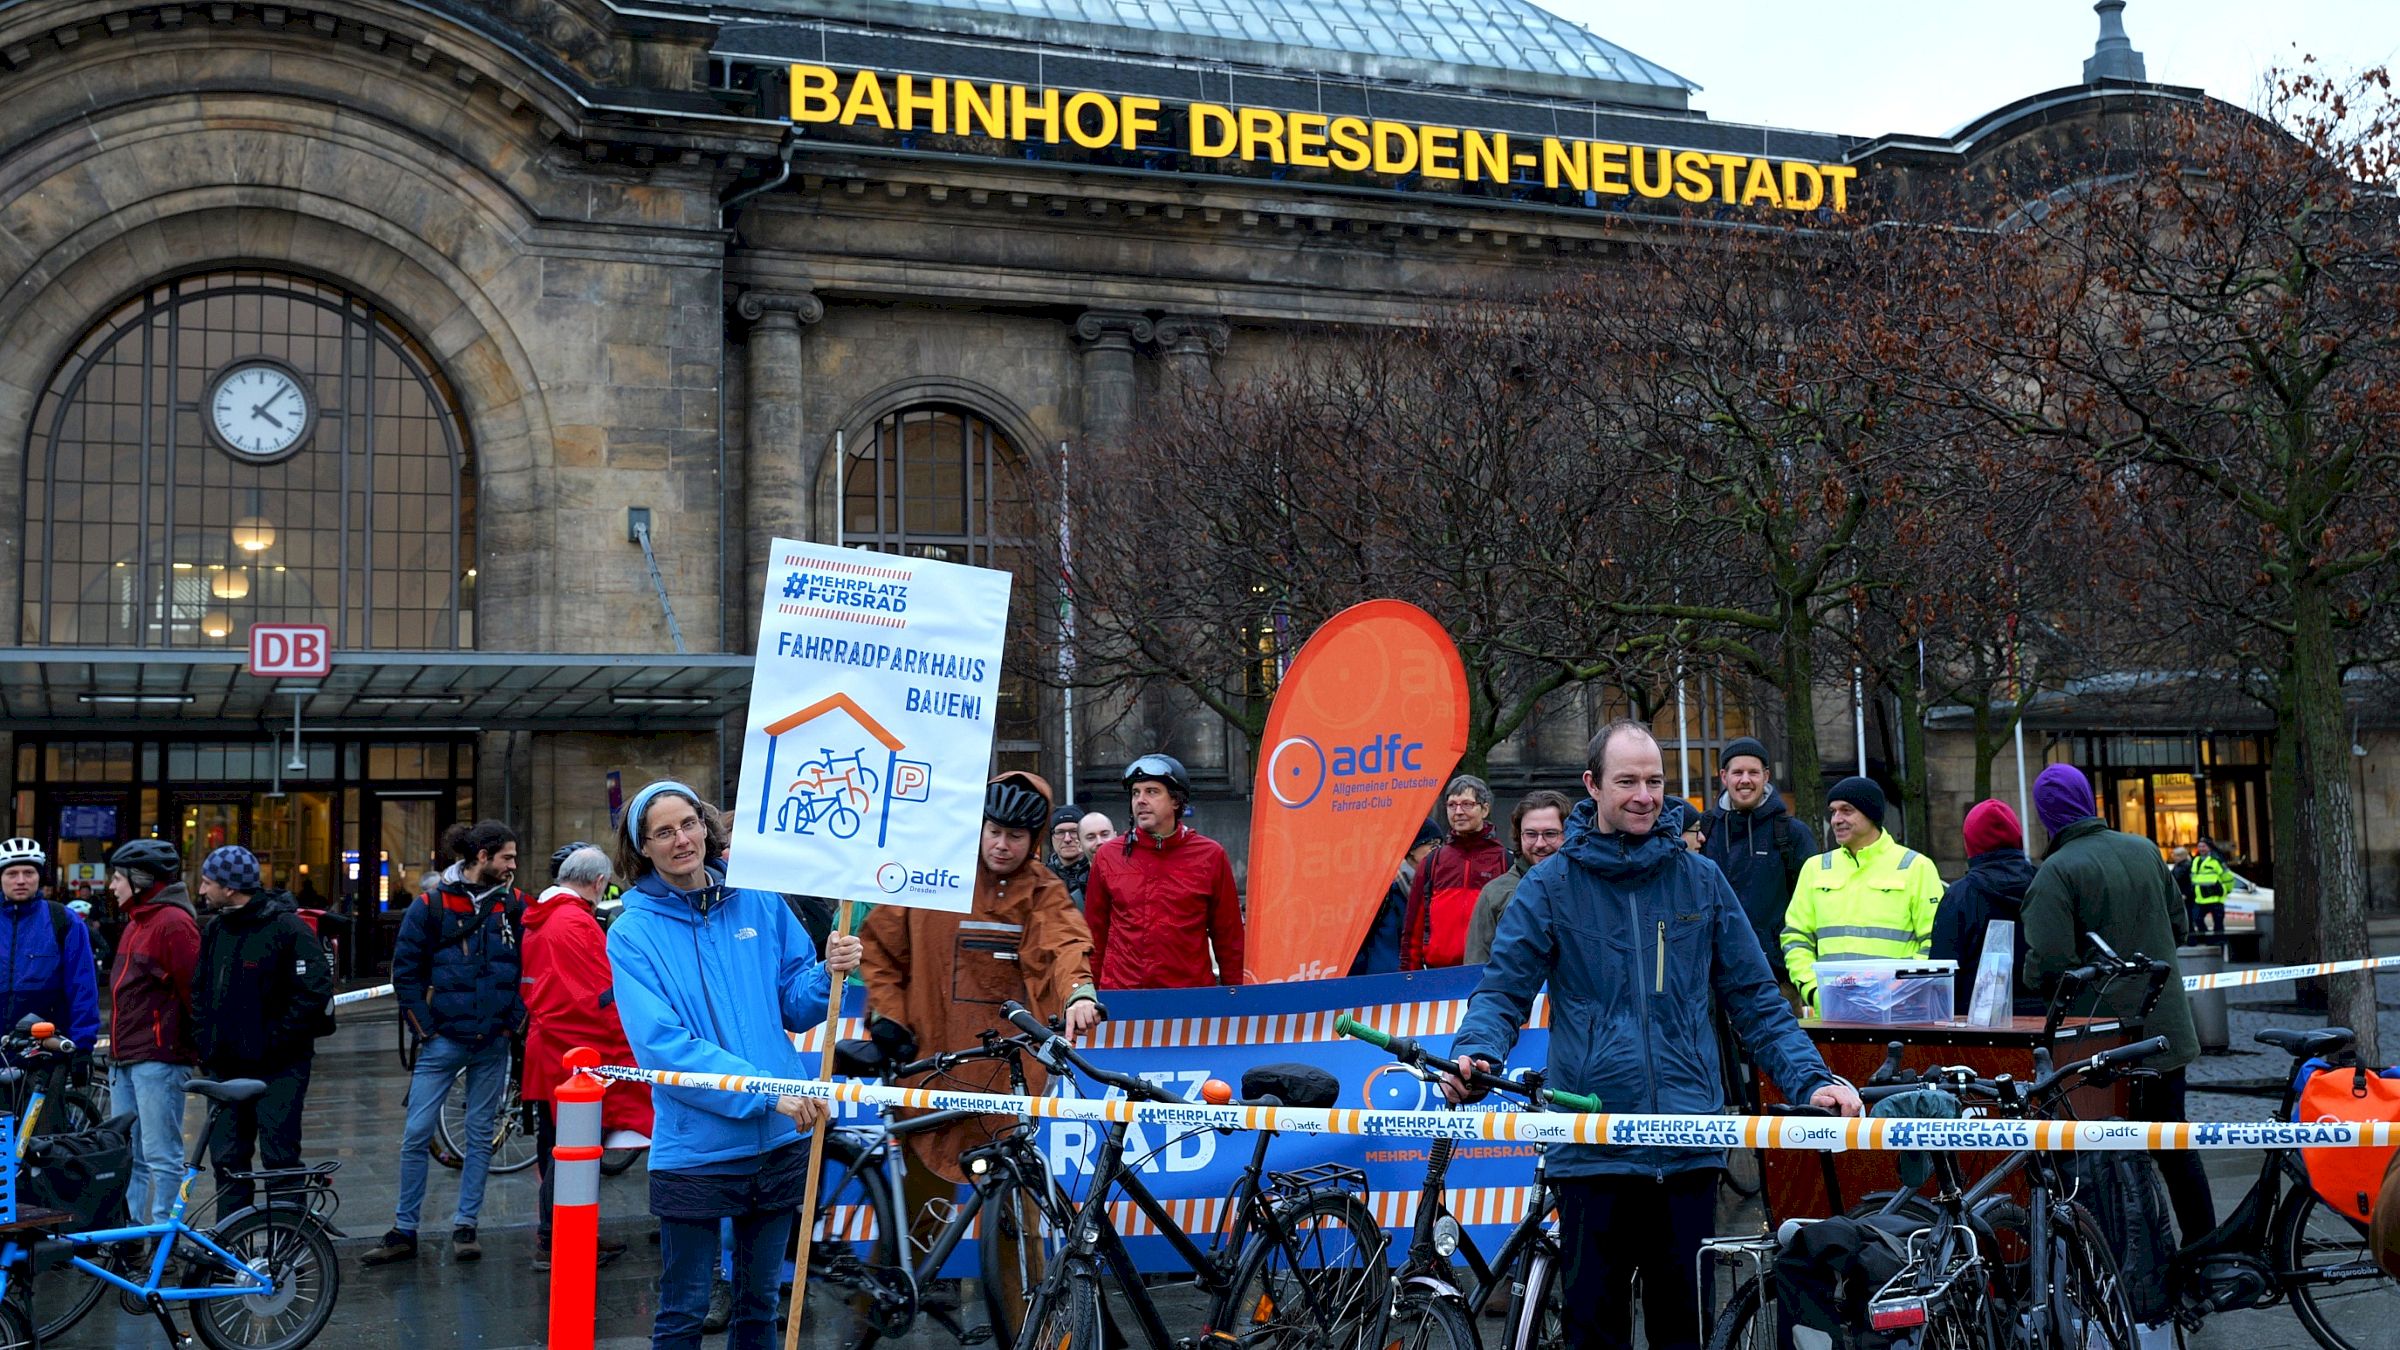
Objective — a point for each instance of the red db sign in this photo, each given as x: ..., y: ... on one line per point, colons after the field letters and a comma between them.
x: 282, y: 649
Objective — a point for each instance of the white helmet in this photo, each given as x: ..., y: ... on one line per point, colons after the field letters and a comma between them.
x: 22, y: 850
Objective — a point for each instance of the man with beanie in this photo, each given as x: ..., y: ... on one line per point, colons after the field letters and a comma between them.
x: 263, y: 995
x: 1992, y: 889
x: 2099, y: 881
x: 1868, y: 899
x: 150, y: 1017
x: 1068, y: 861
x: 1756, y: 842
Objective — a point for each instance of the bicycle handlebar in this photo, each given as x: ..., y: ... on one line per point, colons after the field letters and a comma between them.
x: 1408, y: 1051
x: 1141, y: 1089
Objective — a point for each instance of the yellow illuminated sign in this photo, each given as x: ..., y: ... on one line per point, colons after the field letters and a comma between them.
x: 822, y: 96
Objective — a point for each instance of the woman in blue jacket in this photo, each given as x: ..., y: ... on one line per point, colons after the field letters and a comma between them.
x: 713, y: 980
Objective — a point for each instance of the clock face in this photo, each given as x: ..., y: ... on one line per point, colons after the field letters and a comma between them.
x: 259, y: 410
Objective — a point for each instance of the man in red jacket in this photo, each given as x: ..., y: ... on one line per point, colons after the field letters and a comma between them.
x: 1442, y: 902
x: 570, y: 1000
x: 149, y: 1027
x: 1161, y: 896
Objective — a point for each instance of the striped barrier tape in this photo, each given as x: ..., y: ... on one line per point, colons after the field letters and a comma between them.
x: 1636, y: 1131
x: 2277, y: 974
x: 362, y: 995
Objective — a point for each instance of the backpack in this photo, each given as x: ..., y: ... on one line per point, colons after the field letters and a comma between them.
x: 1827, y: 1273
x: 83, y: 1174
x: 2128, y: 1198
x: 2347, y: 1179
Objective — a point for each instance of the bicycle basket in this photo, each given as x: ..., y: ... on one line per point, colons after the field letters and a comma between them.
x: 83, y: 1174
x: 2347, y: 1178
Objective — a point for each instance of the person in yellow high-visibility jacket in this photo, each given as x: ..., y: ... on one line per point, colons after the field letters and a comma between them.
x: 2212, y: 881
x: 1867, y: 899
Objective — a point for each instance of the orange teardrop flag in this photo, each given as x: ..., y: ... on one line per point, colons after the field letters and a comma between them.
x: 1371, y: 718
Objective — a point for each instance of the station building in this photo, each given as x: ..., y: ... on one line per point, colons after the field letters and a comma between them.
x: 499, y: 338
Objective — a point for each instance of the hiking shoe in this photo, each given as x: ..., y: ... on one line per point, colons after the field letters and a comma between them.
x: 463, y: 1246
x: 397, y: 1246
x: 609, y: 1250
x: 720, y: 1308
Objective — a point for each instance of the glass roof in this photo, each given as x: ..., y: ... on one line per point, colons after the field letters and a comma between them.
x: 1508, y: 35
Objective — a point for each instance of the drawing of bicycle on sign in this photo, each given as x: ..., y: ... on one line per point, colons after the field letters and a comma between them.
x: 835, y: 791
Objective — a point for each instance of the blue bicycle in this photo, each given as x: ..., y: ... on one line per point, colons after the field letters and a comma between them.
x: 261, y: 1278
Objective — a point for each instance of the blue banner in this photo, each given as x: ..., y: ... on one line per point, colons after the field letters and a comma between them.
x: 1181, y: 1038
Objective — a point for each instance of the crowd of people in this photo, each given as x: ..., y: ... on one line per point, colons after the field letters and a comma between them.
x: 1658, y: 932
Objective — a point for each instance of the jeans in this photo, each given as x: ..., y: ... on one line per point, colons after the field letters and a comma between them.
x: 270, y: 1125
x: 688, y: 1250
x: 1611, y: 1228
x: 154, y: 1092
x: 439, y: 1061
x: 2205, y: 917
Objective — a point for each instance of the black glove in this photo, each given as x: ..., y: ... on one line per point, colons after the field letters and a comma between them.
x: 898, y: 1043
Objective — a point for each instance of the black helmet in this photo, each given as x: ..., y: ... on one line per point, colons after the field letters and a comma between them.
x: 565, y: 851
x: 1159, y: 769
x: 154, y: 856
x: 1015, y: 806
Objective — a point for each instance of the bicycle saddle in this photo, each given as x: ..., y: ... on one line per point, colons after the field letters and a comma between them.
x: 1303, y: 1085
x: 2307, y: 1044
x: 228, y: 1092
x: 858, y: 1058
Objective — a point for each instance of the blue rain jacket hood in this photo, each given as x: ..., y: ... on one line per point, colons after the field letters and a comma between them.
x: 1638, y: 940
x: 713, y: 981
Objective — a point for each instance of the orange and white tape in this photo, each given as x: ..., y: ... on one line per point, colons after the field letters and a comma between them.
x: 1604, y: 1128
x: 2278, y: 974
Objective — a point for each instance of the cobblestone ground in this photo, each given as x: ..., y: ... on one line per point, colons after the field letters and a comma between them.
x: 354, y: 1116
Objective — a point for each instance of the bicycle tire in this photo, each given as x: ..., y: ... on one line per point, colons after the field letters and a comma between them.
x: 865, y: 1274
x: 1426, y: 1320
x: 1272, y: 1280
x: 16, y: 1327
x: 1073, y: 1322
x: 56, y: 1300
x: 1007, y: 1284
x: 2087, y: 1294
x: 514, y: 1147
x: 70, y: 1111
x: 616, y: 1162
x: 1737, y: 1325
x: 298, y: 1259
x: 1537, y: 1312
x: 2307, y: 1227
x: 1744, y: 1172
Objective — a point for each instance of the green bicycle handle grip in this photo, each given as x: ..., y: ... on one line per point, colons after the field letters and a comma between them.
x: 1346, y: 1026
x: 1575, y: 1101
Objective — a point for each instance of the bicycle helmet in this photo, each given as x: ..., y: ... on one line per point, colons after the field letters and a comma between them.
x: 1014, y: 806
x: 23, y: 850
x: 566, y: 851
x: 1159, y: 769
x: 154, y: 856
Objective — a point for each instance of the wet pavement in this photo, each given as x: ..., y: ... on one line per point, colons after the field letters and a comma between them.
x: 354, y: 1116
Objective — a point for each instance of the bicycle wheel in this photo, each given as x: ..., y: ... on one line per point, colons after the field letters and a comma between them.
x: 1073, y: 1322
x: 1744, y: 1172
x: 295, y: 1256
x: 855, y: 1254
x: 2340, y: 1294
x: 1738, y: 1326
x: 514, y: 1145
x: 1321, y: 1285
x: 1023, y: 1229
x: 16, y: 1329
x: 1429, y: 1321
x: 2088, y: 1309
x: 616, y: 1162
x: 70, y: 1111
x: 1537, y: 1312
x: 56, y: 1300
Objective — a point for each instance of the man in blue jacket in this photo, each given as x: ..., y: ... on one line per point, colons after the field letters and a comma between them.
x: 455, y: 966
x: 714, y: 980
x: 46, y: 967
x: 1640, y: 941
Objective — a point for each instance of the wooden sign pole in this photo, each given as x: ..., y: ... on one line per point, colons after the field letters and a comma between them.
x: 816, y: 1151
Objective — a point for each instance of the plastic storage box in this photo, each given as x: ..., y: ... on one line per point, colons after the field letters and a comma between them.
x: 1886, y: 991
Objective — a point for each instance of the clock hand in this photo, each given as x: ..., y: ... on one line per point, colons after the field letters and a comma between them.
x: 260, y: 410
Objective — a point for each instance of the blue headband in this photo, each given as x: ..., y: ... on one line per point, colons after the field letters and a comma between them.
x: 641, y: 803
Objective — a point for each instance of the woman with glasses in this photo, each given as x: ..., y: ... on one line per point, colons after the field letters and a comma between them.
x: 713, y: 980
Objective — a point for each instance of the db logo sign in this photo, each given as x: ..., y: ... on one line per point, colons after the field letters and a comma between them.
x: 282, y: 650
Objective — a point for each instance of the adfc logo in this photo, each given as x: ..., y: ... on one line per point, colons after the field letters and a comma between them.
x: 836, y: 788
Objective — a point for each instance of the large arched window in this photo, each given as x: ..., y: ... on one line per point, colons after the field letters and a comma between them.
x: 941, y: 482
x: 247, y: 447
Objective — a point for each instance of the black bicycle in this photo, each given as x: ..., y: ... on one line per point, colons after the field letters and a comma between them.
x: 1430, y: 1311
x: 868, y: 1255
x: 1299, y: 1265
